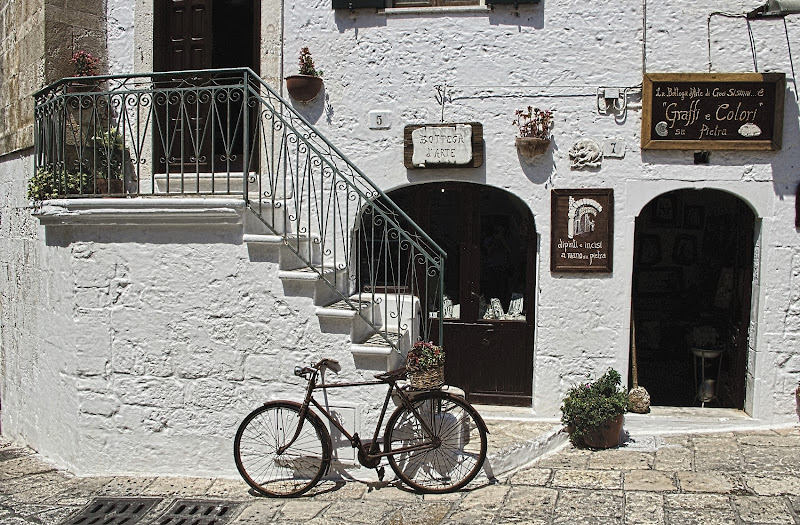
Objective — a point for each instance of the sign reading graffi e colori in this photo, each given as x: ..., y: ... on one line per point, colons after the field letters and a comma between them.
x: 712, y: 111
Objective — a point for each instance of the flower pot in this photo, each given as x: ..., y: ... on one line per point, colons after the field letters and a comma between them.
x: 607, y: 436
x: 303, y: 87
x: 110, y: 186
x: 530, y: 147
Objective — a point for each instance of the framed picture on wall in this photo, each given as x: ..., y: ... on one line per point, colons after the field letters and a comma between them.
x: 659, y: 280
x: 693, y: 217
x: 648, y: 250
x: 582, y: 230
x: 665, y: 211
x: 684, y: 251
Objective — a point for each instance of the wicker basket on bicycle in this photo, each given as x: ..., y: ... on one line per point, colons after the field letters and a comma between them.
x: 425, y: 366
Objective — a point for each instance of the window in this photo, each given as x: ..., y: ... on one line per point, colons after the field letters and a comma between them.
x: 380, y: 4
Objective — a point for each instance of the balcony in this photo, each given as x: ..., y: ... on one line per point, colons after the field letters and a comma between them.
x: 226, y: 133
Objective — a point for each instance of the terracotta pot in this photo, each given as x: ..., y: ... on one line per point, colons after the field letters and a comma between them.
x: 531, y: 146
x: 110, y: 186
x: 607, y: 436
x: 303, y: 87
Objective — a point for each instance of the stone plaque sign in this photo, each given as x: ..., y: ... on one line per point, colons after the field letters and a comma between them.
x: 443, y: 145
x: 582, y: 230
x: 712, y: 111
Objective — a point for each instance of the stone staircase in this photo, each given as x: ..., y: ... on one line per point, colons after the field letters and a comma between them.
x: 367, y: 319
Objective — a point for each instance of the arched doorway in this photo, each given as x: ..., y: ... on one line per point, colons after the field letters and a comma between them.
x: 489, y: 236
x: 692, y: 285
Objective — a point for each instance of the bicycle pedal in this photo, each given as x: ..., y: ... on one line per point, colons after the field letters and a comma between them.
x: 381, y: 472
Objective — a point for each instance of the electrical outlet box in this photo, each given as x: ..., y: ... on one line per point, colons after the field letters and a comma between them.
x: 610, y: 93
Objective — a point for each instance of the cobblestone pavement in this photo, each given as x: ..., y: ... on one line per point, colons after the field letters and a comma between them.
x: 723, y: 478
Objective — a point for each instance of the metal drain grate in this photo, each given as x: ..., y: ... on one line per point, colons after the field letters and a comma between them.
x: 113, y: 511
x: 197, y: 512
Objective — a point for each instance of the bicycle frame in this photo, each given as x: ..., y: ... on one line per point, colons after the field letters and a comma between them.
x: 354, y: 438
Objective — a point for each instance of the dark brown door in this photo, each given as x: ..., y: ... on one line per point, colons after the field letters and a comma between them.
x: 202, y: 129
x: 488, y: 235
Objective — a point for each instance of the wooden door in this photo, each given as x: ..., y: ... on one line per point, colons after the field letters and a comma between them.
x: 488, y: 235
x: 202, y: 128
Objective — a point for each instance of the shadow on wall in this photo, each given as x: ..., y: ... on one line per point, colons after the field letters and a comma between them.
x: 784, y: 167
x: 64, y: 236
x: 313, y: 110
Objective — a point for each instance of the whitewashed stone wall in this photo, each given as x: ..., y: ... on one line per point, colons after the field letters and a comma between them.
x: 555, y: 56
x: 139, y: 348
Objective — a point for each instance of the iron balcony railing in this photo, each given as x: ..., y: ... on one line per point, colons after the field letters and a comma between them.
x: 226, y: 132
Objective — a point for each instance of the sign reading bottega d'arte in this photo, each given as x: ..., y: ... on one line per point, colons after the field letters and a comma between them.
x: 457, y: 145
x: 712, y: 111
x: 582, y: 230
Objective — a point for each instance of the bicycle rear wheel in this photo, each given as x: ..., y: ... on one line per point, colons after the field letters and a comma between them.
x: 458, y: 443
x: 288, y: 473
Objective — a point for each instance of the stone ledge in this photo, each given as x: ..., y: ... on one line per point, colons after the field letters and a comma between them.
x: 169, y: 211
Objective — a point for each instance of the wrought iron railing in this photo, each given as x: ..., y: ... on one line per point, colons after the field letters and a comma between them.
x: 226, y: 132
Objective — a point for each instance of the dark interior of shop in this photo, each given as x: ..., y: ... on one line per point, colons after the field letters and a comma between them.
x: 692, y: 282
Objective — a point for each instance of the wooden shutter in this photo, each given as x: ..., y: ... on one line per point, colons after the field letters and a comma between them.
x: 493, y: 2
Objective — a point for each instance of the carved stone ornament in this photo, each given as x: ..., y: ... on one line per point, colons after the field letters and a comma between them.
x: 585, y: 153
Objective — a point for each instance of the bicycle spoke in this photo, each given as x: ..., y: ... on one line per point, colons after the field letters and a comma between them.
x: 460, y: 450
x: 267, y: 430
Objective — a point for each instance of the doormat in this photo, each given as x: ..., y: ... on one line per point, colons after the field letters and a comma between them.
x: 197, y: 512
x: 113, y: 511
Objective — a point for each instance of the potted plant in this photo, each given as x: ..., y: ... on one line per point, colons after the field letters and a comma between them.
x: 307, y: 83
x: 112, y: 156
x: 593, y: 412
x: 45, y: 184
x: 86, y: 65
x: 534, y: 131
x: 425, y: 365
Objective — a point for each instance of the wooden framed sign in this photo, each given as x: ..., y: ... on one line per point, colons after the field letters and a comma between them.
x: 457, y: 145
x: 582, y: 230
x: 713, y: 111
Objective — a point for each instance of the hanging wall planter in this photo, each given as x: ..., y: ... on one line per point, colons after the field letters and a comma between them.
x: 530, y: 147
x: 534, y: 131
x: 304, y: 88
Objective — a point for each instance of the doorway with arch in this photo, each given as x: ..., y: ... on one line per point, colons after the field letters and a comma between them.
x: 489, y: 281
x: 691, y: 298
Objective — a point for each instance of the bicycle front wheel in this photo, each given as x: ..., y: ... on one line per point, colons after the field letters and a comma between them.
x: 267, y: 468
x: 446, y: 460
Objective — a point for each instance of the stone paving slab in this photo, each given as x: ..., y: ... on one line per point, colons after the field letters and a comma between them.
x: 652, y: 479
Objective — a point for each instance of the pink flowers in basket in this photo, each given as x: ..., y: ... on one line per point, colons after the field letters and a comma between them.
x: 424, y: 355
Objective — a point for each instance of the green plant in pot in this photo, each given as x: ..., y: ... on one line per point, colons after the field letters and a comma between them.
x: 593, y: 412
x: 46, y: 184
x: 308, y: 82
x: 111, y: 158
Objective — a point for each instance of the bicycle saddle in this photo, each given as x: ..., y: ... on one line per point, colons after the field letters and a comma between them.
x: 331, y: 364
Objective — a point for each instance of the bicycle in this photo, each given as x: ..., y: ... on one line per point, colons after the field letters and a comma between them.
x: 434, y: 441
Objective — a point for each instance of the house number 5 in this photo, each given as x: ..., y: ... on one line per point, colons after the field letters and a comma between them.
x: 380, y: 119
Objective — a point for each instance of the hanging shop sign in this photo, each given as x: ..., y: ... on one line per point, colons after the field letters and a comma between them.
x: 712, y: 111
x: 456, y: 145
x: 582, y: 230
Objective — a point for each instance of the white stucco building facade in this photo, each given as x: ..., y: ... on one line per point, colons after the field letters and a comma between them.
x: 137, y: 333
